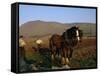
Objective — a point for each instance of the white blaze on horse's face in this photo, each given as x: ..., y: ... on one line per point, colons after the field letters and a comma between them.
x: 77, y: 35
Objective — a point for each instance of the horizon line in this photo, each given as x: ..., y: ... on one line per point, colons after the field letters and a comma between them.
x: 55, y: 22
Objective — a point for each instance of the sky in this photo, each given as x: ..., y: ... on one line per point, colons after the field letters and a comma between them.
x: 56, y: 14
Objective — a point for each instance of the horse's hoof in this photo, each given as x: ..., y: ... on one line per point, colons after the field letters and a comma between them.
x: 67, y: 60
x: 52, y: 57
x: 63, y: 61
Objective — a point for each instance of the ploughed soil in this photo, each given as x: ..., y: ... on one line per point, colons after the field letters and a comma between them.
x: 84, y: 54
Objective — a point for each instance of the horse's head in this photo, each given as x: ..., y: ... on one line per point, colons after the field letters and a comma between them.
x: 73, y: 34
x: 76, y: 33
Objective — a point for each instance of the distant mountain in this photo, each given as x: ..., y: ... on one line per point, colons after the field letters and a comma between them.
x: 42, y: 28
x: 33, y: 28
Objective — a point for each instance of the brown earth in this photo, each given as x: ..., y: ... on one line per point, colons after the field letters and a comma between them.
x: 84, y: 54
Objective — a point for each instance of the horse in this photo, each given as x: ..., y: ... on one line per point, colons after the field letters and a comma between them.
x: 58, y: 47
x: 55, y: 43
x: 63, y: 44
x: 72, y: 37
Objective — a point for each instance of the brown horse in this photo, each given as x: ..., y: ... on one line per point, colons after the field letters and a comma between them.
x: 56, y: 44
x: 59, y: 48
x: 63, y: 44
x: 72, y: 37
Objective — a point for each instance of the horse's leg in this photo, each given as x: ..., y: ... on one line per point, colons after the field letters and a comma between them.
x: 66, y: 60
x: 68, y: 53
x: 53, y: 55
x: 58, y: 52
x: 63, y: 57
x: 52, y: 58
x: 71, y: 52
x: 63, y: 61
x: 51, y: 45
x: 66, y: 56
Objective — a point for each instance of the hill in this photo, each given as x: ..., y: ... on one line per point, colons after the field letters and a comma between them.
x: 42, y: 28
